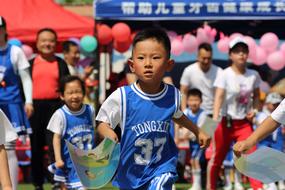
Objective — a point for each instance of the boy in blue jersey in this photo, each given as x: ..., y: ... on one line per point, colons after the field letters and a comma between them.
x: 144, y: 111
x: 197, y: 116
x: 73, y: 122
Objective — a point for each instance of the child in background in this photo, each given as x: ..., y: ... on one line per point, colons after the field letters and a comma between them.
x: 73, y: 122
x: 144, y: 111
x: 197, y: 116
x: 275, y: 140
x: 229, y: 170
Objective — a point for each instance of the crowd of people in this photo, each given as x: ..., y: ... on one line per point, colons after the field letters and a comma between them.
x: 160, y: 126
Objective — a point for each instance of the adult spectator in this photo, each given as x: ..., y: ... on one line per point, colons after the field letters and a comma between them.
x: 71, y: 55
x: 14, y: 72
x: 236, y: 101
x: 46, y: 71
x: 201, y: 75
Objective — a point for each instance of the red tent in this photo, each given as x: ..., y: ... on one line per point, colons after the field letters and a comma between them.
x: 25, y: 17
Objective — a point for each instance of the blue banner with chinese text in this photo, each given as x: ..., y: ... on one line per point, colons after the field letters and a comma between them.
x: 189, y: 10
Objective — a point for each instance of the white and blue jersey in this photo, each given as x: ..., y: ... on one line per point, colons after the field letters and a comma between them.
x: 78, y: 129
x: 196, y: 152
x: 10, y: 95
x: 274, y: 140
x: 148, y: 150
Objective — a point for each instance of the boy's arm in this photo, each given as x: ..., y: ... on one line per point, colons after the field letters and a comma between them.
x: 265, y: 128
x: 57, y: 150
x: 4, y: 174
x: 203, y: 138
x: 105, y: 130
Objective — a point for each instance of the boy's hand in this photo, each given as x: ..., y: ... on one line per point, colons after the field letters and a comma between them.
x: 59, y: 164
x: 204, y: 139
x: 241, y: 147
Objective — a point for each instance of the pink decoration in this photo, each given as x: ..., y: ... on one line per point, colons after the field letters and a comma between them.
x: 28, y: 51
x: 176, y: 47
x: 213, y: 32
x: 121, y: 32
x: 276, y: 60
x: 207, y: 29
x: 190, y: 43
x: 104, y: 34
x: 202, y: 36
x: 269, y: 42
x: 282, y: 48
x: 260, y: 56
x: 234, y: 35
x: 172, y: 35
x: 223, y: 45
x: 251, y: 46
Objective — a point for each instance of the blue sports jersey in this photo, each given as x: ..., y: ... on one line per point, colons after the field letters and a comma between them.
x: 147, y: 147
x: 79, y: 131
x: 10, y: 93
x: 196, y: 152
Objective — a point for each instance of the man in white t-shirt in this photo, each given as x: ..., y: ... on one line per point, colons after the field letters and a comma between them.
x: 201, y: 75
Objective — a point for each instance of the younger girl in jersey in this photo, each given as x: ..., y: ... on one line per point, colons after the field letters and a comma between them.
x: 73, y: 122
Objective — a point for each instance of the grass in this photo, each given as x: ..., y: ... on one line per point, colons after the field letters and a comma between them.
x: 107, y: 187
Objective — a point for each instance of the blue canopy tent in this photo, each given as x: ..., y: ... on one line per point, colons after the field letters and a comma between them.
x: 250, y: 17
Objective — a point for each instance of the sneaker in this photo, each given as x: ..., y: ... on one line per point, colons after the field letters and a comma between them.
x: 173, y: 187
x: 238, y: 186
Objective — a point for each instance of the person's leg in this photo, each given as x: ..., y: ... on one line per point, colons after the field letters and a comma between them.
x: 221, y: 143
x: 13, y: 163
x: 37, y: 143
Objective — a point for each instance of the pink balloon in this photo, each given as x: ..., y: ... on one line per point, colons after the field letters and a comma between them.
x: 202, y: 36
x: 207, y: 29
x: 260, y: 57
x: 213, y: 32
x: 28, y: 51
x: 276, y: 60
x: 172, y: 35
x: 269, y: 42
x: 223, y: 45
x: 177, y: 47
x: 190, y: 43
x: 251, y: 46
x: 235, y: 35
x: 121, y: 32
x: 282, y: 48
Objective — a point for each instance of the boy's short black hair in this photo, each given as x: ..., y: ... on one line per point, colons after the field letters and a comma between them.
x: 205, y: 46
x: 194, y: 92
x: 47, y: 30
x: 66, y: 46
x: 154, y: 33
x: 70, y: 78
